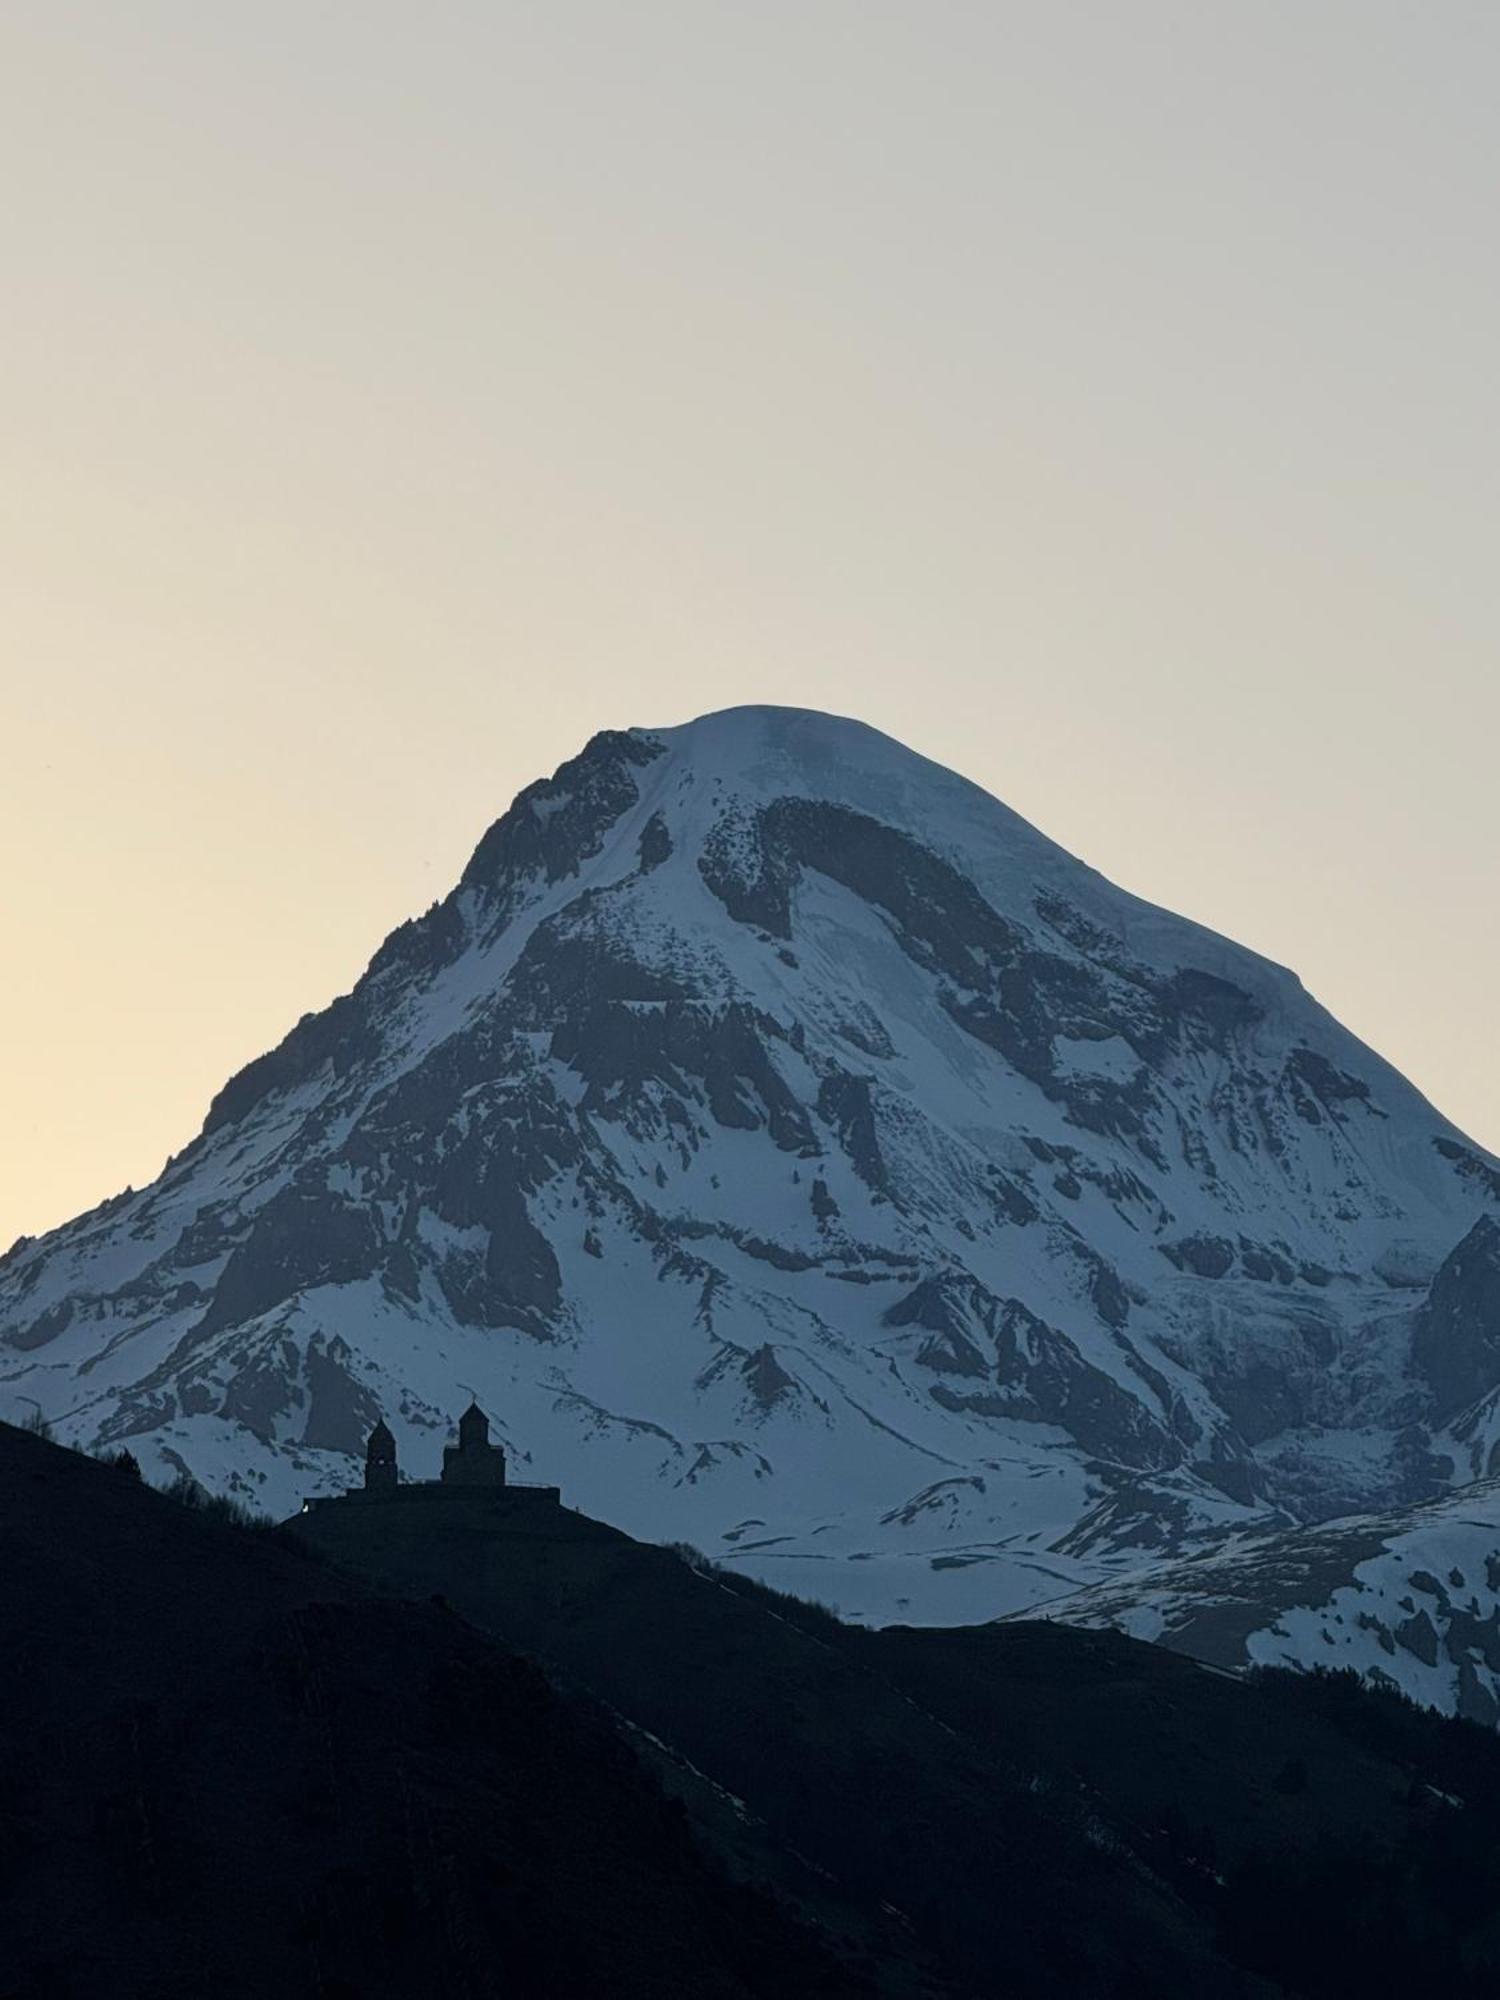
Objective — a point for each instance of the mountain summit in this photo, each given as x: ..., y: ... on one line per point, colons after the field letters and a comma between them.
x: 801, y: 1155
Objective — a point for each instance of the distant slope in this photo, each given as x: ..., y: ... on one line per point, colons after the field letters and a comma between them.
x: 225, y: 1770
x: 1409, y: 1600
x: 800, y: 1155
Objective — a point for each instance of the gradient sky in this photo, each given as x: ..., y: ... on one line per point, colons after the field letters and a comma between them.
x: 1099, y: 397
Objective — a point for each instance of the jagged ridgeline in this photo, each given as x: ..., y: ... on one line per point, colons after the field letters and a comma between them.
x: 801, y: 1156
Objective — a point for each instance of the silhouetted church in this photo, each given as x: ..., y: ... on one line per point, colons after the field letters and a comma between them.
x: 472, y: 1469
x: 380, y: 1461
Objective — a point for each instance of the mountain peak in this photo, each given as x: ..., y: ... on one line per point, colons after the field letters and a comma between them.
x: 769, y: 751
x: 796, y: 745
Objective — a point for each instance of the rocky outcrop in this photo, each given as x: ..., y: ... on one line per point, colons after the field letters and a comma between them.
x: 1456, y: 1347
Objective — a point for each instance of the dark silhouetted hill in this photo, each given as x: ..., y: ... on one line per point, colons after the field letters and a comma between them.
x: 249, y: 1762
x: 1049, y: 1810
x: 226, y: 1770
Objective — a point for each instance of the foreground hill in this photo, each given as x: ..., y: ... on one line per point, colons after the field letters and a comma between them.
x: 228, y: 1767
x: 1045, y: 1810
x: 804, y: 1157
x: 225, y: 1770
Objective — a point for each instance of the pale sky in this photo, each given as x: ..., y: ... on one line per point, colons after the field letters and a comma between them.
x: 1098, y: 395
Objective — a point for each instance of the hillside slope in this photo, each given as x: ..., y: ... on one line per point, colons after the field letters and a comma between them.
x: 225, y: 1769
x: 1044, y: 1810
x: 228, y: 1767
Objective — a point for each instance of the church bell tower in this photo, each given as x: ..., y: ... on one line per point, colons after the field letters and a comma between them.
x: 380, y: 1461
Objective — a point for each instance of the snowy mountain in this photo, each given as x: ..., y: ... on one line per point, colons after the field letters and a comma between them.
x: 800, y: 1155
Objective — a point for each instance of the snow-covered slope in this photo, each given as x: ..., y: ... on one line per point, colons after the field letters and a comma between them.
x: 1409, y: 1599
x: 800, y: 1155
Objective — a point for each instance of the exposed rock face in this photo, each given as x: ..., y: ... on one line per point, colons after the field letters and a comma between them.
x: 805, y: 1158
x: 1457, y: 1342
